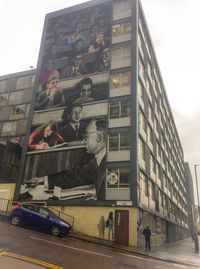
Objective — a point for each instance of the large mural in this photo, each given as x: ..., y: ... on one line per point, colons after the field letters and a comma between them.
x: 66, y: 151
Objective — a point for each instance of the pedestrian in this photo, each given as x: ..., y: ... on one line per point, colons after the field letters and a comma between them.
x: 196, y: 241
x: 147, y: 236
x: 109, y: 225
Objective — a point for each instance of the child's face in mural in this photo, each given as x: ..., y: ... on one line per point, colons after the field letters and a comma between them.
x: 47, y: 131
x: 76, y: 114
x: 86, y: 90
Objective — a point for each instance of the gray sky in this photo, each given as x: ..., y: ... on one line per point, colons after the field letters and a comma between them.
x: 174, y: 27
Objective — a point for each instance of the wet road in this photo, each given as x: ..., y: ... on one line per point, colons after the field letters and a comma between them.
x: 70, y: 253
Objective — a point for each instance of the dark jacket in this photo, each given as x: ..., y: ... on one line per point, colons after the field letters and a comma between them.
x: 69, y: 134
x: 147, y: 233
x: 88, y: 174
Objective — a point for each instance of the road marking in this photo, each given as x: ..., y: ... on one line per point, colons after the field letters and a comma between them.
x: 31, y: 260
x: 179, y: 265
x: 79, y: 249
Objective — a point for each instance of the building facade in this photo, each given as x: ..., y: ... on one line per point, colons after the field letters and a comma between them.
x: 101, y: 134
x: 15, y: 98
x: 190, y: 197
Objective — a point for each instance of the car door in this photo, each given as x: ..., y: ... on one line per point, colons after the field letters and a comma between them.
x: 43, y: 218
x: 28, y: 215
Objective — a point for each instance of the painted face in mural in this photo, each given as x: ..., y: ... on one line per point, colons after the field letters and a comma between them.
x: 86, y: 90
x: 76, y: 114
x: 100, y: 39
x: 94, y: 139
x: 47, y: 131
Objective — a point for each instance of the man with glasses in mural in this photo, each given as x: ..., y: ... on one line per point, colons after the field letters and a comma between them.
x: 92, y: 173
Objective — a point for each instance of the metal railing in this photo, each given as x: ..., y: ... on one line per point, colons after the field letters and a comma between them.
x: 63, y: 216
x: 5, y: 206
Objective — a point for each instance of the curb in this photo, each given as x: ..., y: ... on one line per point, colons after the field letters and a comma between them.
x: 98, y: 242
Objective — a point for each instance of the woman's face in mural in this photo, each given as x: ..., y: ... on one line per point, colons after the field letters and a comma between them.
x: 47, y: 131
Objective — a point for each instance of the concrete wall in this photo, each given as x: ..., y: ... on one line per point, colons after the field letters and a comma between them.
x: 88, y: 220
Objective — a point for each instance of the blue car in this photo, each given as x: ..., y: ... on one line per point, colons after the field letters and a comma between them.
x: 39, y: 217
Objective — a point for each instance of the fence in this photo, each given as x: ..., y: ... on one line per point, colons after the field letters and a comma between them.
x: 63, y: 216
x: 5, y: 206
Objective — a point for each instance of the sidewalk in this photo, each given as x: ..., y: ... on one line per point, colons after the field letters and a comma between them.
x: 182, y: 251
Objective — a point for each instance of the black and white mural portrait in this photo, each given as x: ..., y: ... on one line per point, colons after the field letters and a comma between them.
x: 66, y: 150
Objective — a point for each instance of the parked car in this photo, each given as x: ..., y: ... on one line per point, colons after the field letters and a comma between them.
x: 39, y: 217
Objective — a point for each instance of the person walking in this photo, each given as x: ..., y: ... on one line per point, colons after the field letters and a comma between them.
x: 147, y: 236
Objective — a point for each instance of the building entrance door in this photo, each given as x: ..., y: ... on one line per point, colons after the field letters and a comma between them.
x: 122, y: 227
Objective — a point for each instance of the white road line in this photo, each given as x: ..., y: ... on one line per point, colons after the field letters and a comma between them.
x: 65, y: 246
x: 179, y: 265
x: 160, y: 267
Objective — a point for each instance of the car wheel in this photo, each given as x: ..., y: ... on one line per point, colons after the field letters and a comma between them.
x: 55, y: 231
x: 15, y: 220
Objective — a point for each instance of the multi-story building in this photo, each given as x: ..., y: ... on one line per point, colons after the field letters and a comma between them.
x: 102, y: 136
x: 15, y: 98
x: 190, y: 196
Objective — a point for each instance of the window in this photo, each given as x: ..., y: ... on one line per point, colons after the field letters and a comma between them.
x: 3, y: 85
x: 152, y: 163
x: 141, y: 148
x: 121, y: 29
x: 146, y: 189
x: 120, y: 80
x: 141, y: 90
x: 122, y: 176
x: 150, y: 133
x: 119, y: 141
x: 121, y: 9
x: 16, y: 97
x: 153, y: 191
x: 141, y: 68
x: 121, y: 53
x: 3, y: 99
x: 119, y: 109
x: 43, y: 212
x: 113, y: 142
x: 17, y: 111
x: 150, y: 112
x: 159, y: 171
x: 24, y: 82
x: 9, y: 128
x: 142, y: 121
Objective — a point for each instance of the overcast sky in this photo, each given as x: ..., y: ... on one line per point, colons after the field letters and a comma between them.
x: 174, y: 27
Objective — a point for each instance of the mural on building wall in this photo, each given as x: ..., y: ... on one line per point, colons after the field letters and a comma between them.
x: 66, y: 151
